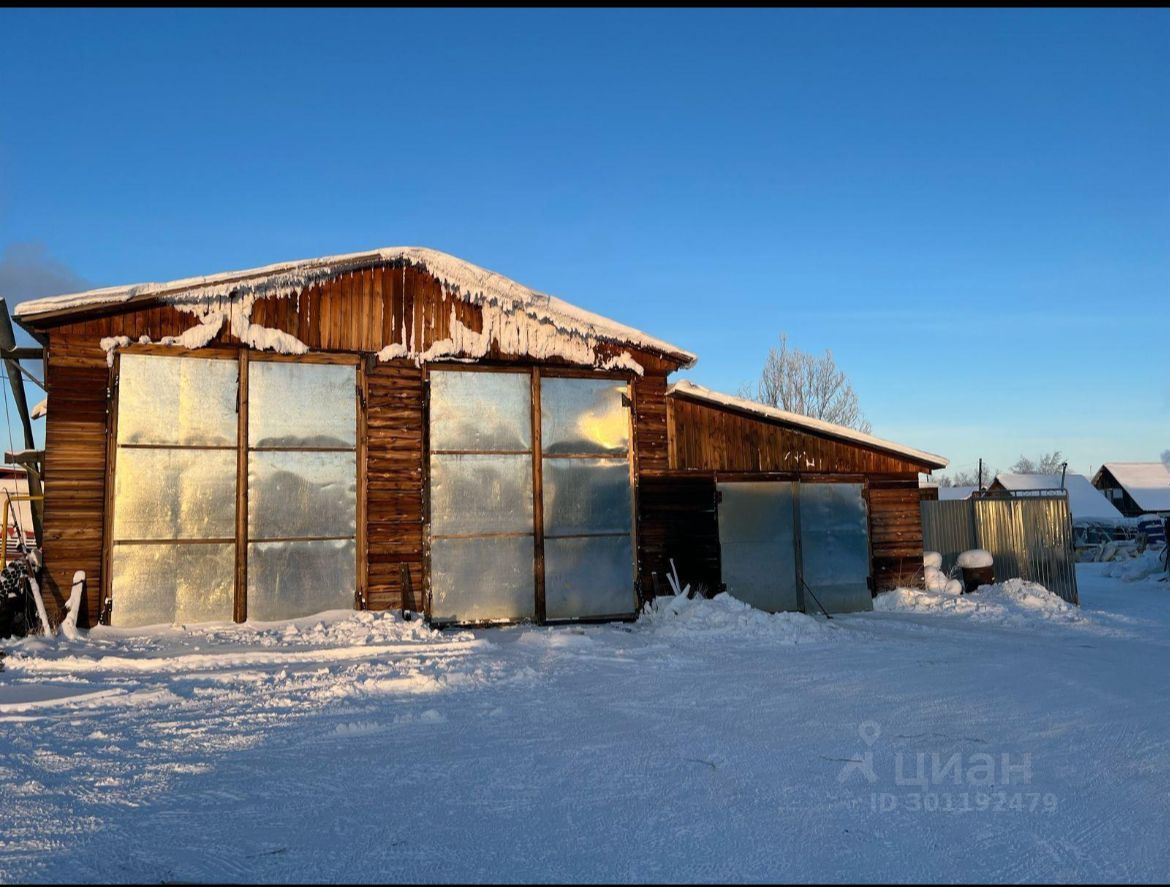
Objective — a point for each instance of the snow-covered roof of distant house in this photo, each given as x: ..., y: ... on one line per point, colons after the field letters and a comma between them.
x: 470, y: 282
x: 1084, y: 499
x: 698, y: 392
x: 1148, y: 483
x: 949, y: 493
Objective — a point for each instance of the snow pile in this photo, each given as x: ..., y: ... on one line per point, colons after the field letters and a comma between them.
x: 934, y: 578
x: 724, y: 617
x: 975, y: 559
x: 1148, y: 565
x: 1014, y: 602
x: 362, y: 632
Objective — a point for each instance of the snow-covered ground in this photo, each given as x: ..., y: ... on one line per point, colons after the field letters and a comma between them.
x: 1001, y: 736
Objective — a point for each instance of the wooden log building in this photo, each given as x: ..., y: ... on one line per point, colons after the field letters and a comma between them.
x: 402, y: 429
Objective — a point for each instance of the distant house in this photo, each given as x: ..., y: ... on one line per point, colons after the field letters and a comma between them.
x: 945, y: 493
x: 929, y: 491
x: 1135, y: 487
x: 1084, y: 501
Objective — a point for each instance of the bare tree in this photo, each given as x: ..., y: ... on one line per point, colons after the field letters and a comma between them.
x: 800, y: 382
x: 966, y: 478
x: 1049, y: 463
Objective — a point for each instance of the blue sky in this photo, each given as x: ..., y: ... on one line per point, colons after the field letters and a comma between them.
x: 972, y: 209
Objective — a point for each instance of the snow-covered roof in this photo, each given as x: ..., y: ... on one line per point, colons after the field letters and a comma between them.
x: 698, y: 392
x: 1148, y: 483
x: 949, y: 493
x: 1084, y: 499
x: 463, y: 279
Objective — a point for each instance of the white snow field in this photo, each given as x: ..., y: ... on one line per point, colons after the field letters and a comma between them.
x: 1002, y: 736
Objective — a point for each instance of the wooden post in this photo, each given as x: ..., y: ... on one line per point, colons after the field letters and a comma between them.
x: 361, y: 539
x: 240, y: 611
x: 537, y: 499
x: 106, y: 586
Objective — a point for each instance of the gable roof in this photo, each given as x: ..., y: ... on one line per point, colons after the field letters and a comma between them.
x: 1084, y: 499
x: 462, y: 279
x: 1148, y: 483
x: 689, y: 389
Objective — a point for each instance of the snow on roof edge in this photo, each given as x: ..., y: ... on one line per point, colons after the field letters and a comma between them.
x: 689, y: 389
x: 472, y: 282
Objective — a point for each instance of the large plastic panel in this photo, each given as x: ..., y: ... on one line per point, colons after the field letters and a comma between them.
x: 175, y: 494
x: 301, y: 404
x: 586, y: 496
x: 583, y: 416
x: 588, y: 577
x: 480, y: 411
x: 291, y: 579
x: 181, y: 401
x: 297, y: 493
x: 757, y: 544
x: 834, y: 544
x: 168, y: 583
x: 482, y: 579
x: 480, y: 494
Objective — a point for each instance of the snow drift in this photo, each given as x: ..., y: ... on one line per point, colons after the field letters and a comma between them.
x: 723, y: 616
x: 1013, y: 602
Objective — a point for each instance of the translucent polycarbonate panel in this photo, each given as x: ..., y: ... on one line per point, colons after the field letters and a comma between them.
x: 481, y: 494
x: 484, y: 579
x: 587, y: 496
x: 583, y: 416
x: 480, y: 411
x: 167, y: 583
x: 291, y: 579
x: 183, y: 401
x: 301, y: 404
x: 834, y: 545
x: 757, y: 544
x: 296, y: 493
x: 588, y: 577
x: 174, y: 494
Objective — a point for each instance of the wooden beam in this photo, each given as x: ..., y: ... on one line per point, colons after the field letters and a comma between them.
x: 240, y: 609
x: 537, y: 499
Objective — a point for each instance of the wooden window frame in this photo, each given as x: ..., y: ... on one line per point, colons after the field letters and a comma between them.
x: 535, y: 372
x: 244, y: 358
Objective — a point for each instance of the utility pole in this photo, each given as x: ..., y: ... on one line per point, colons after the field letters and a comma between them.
x: 980, y: 474
x: 1063, y: 469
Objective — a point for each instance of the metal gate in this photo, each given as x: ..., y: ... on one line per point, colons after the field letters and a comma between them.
x: 782, y: 542
x: 1029, y: 537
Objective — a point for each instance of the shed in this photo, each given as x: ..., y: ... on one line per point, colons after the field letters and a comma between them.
x: 399, y: 428
x: 1135, y: 488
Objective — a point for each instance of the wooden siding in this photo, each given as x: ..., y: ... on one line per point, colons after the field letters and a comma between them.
x: 677, y: 520
x: 75, y: 470
x: 706, y: 437
x: 895, y: 531
x: 396, y: 429
x: 359, y: 311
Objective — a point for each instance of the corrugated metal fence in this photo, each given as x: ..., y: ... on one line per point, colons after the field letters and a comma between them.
x: 1029, y: 537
